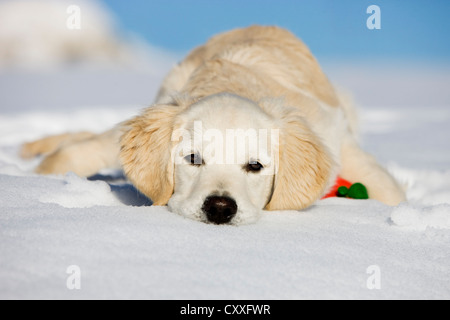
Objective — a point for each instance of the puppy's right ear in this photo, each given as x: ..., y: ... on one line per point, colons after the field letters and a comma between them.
x: 305, y: 166
x: 146, y: 152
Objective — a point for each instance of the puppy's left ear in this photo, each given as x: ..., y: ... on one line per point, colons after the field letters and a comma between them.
x: 304, y: 166
x: 146, y: 152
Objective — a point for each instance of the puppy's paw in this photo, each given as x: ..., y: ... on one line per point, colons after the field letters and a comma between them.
x: 390, y: 194
x: 33, y: 149
x: 50, y: 144
x: 58, y: 162
x: 72, y: 158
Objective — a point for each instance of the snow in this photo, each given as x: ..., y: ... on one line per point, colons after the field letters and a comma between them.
x: 420, y: 218
x: 126, y: 249
x: 83, y: 193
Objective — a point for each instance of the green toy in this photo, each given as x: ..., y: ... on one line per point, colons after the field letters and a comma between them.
x: 356, y: 191
x: 344, y: 188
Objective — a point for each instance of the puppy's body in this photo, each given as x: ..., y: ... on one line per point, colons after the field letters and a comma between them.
x: 257, y: 78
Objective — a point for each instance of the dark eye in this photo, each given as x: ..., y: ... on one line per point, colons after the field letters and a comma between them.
x: 194, y: 159
x: 253, y: 166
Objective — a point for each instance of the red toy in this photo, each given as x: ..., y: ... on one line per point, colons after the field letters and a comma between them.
x: 344, y: 188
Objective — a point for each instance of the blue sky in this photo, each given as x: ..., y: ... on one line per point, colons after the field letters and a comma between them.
x: 333, y: 29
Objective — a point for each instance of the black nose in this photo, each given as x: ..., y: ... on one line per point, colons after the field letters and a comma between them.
x: 219, y: 209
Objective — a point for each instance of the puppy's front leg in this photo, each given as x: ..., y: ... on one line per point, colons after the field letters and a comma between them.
x: 84, y: 157
x: 359, y: 166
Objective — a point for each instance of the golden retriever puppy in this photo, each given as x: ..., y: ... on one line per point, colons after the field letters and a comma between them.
x: 246, y: 122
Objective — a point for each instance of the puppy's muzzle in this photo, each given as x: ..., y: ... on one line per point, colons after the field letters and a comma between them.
x: 219, y: 210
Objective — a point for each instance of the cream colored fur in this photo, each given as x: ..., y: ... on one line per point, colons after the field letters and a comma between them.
x: 259, y: 75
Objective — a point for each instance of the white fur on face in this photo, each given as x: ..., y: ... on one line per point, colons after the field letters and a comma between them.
x: 225, y: 133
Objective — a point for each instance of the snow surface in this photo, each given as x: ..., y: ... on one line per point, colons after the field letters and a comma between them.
x: 124, y: 248
x: 128, y: 249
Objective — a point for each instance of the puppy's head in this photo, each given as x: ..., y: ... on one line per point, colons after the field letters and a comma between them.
x: 224, y: 158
